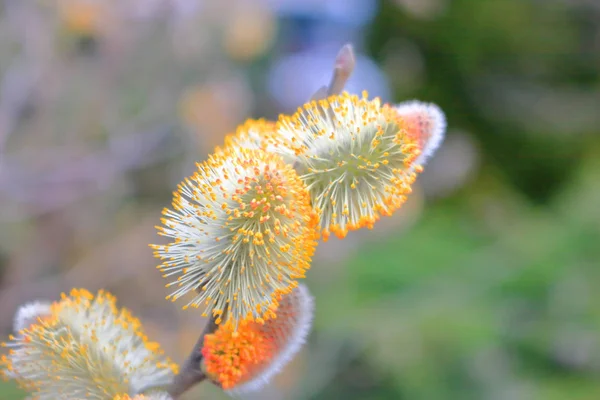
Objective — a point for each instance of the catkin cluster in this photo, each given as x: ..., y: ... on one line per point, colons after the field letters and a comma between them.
x: 244, y: 227
x: 240, y: 233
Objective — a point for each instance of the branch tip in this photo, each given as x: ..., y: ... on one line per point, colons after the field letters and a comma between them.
x: 344, y: 64
x: 191, y: 372
x: 343, y: 68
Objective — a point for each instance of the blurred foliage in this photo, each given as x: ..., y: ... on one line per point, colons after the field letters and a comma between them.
x: 486, y: 292
x: 493, y: 293
x: 8, y: 390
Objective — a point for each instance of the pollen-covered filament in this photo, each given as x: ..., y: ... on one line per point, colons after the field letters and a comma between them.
x: 355, y: 157
x: 243, y: 232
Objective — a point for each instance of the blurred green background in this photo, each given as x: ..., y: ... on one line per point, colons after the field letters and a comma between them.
x: 484, y: 286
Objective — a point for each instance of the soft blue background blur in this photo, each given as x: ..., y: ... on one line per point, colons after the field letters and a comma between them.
x: 484, y: 286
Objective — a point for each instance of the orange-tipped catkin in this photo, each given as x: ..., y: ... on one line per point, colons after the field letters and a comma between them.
x: 356, y: 157
x: 245, y: 359
x: 426, y: 124
x: 242, y: 231
x: 85, y: 347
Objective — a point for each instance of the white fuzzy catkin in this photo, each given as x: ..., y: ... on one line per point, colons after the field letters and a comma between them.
x: 356, y: 157
x: 242, y: 230
x: 85, y: 347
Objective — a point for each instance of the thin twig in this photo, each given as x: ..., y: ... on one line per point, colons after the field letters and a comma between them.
x: 191, y: 372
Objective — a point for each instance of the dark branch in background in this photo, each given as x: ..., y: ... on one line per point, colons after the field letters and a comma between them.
x: 20, y: 81
x: 16, y: 91
x: 191, y: 371
x: 71, y: 181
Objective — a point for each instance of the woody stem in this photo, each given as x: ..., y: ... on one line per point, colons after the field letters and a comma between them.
x: 191, y: 372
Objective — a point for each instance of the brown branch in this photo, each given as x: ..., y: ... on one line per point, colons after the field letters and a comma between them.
x: 191, y: 372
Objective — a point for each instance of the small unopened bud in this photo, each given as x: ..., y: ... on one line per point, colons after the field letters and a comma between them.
x: 344, y: 66
x: 342, y: 69
x: 426, y: 123
x: 245, y: 360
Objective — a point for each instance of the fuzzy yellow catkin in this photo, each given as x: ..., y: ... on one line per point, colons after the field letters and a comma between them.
x: 242, y: 233
x: 85, y: 347
x: 355, y: 156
